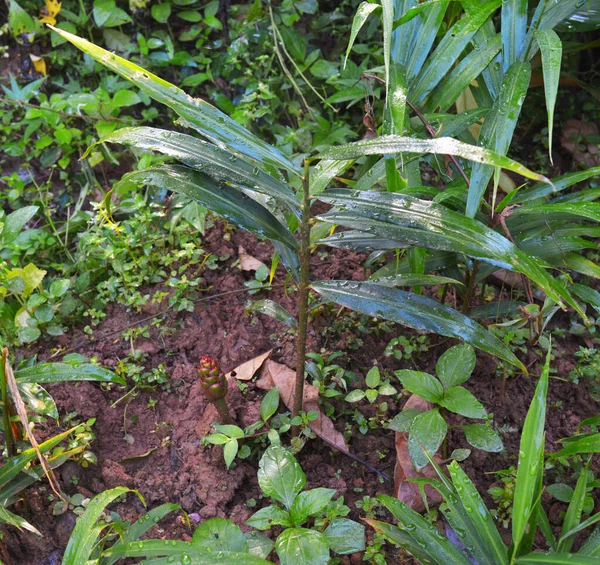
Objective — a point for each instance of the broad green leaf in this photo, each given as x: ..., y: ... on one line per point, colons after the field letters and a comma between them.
x: 355, y: 396
x: 448, y: 51
x: 483, y: 436
x: 427, y: 432
x: 530, y: 452
x: 489, y: 543
x: 309, y: 503
x: 61, y: 372
x: 230, y: 450
x: 86, y: 532
x: 345, y: 536
x: 498, y: 128
x: 551, y: 48
x: 269, y: 516
x: 217, y: 534
x: 31, y: 275
x: 363, y: 12
x: 514, y: 30
x: 161, y: 12
x: 259, y: 544
x: 422, y: 384
x: 587, y: 294
x: 280, y: 476
x: 460, y: 401
x: 230, y: 430
x: 373, y: 377
x: 226, y: 201
x: 106, y: 14
x: 274, y: 310
x: 14, y: 223
x: 206, y: 119
x: 299, y: 546
x: 455, y: 365
x: 389, y: 144
x: 19, y: 21
x: 426, y: 536
x: 269, y: 404
x: 206, y: 157
x: 556, y: 559
x: 418, y: 312
x: 586, y: 444
x: 402, y: 421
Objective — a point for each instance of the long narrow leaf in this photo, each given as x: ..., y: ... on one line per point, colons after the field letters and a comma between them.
x: 14, y: 520
x: 556, y: 559
x: 205, y: 157
x: 551, y: 48
x: 230, y: 203
x: 205, y: 118
x: 414, y: 311
x: 574, y: 511
x: 543, y: 189
x: 514, y: 30
x: 530, y: 452
x: 365, y: 9
x: 61, y: 372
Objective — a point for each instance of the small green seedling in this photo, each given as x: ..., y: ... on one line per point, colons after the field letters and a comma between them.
x: 427, y: 430
x: 375, y: 387
x: 311, y: 521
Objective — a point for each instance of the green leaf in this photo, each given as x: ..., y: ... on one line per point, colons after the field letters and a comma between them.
x: 418, y: 312
x: 422, y: 384
x: 230, y: 203
x: 28, y: 335
x: 587, y: 444
x: 217, y: 439
x: 406, y: 280
x: 355, y: 396
x: 230, y: 451
x: 514, y: 30
x: 125, y: 98
x: 31, y: 275
x: 106, y: 14
x: 161, y: 12
x: 299, y: 546
x: 309, y: 503
x: 214, y: 161
x: 259, y: 544
x: 280, y: 476
x: 86, y: 532
x: 15, y: 221
x: 460, y: 401
x: 363, y: 12
x: 530, y: 453
x: 541, y: 190
x: 455, y: 365
x: 483, y: 436
x: 411, y: 221
x: 59, y: 287
x: 422, y: 534
x: 371, y: 395
x: 345, y: 536
x: 230, y: 430
x: 138, y: 528
x: 217, y: 534
x: 460, y: 454
x: 448, y: 51
x: 269, y: 404
x: 402, y: 421
x: 497, y: 130
x: 427, y: 432
x: 574, y: 512
x: 560, y: 491
x: 270, y: 516
x: 556, y: 559
x: 206, y: 119
x: 390, y: 144
x: 13, y: 520
x: 19, y: 21
x: 551, y: 48
x: 61, y: 372
x: 274, y: 310
x: 373, y: 377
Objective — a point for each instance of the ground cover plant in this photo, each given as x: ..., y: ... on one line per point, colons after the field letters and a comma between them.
x: 429, y: 200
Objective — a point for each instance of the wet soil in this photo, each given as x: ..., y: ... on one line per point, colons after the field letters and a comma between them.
x: 151, y: 441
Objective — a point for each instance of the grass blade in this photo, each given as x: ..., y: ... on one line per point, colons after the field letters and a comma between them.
x: 574, y: 511
x: 530, y: 452
x: 365, y: 9
x: 514, y: 30
x: 414, y: 311
x: 61, y: 372
x: 556, y: 559
x: 228, y: 202
x: 205, y: 118
x: 551, y: 48
x: 542, y: 190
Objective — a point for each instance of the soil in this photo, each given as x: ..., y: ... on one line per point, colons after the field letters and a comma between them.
x: 155, y: 447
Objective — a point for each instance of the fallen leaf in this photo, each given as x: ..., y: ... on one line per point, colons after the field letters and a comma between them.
x: 39, y: 64
x: 276, y: 374
x: 405, y: 491
x: 247, y: 262
x: 247, y: 370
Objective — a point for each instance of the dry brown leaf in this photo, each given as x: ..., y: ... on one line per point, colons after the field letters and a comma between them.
x: 276, y: 374
x: 247, y: 262
x: 406, y: 491
x: 247, y: 370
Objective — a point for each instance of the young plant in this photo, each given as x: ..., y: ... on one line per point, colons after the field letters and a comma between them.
x: 281, y: 478
x: 230, y: 436
x: 476, y: 535
x: 375, y: 387
x: 214, y: 387
x: 427, y: 430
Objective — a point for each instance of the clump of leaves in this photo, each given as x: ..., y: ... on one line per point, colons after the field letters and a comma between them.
x: 375, y: 387
x: 427, y: 430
